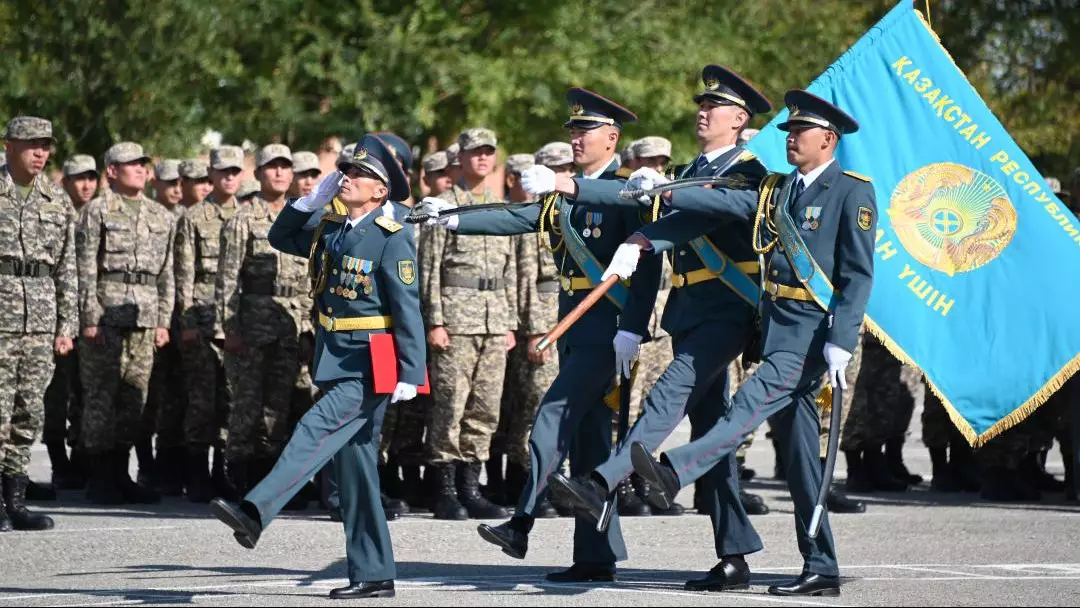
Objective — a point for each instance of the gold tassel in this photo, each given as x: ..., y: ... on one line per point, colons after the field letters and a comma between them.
x: 611, y: 399
x: 824, y: 400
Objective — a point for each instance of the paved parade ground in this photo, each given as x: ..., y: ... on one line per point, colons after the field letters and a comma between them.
x: 914, y: 548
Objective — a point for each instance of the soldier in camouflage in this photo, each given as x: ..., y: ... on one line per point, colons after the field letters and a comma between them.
x: 194, y: 182
x: 469, y: 292
x: 37, y: 308
x: 306, y: 172
x: 198, y: 247
x: 453, y: 162
x: 63, y: 397
x: 436, y: 177
x: 126, y: 294
x: 166, y: 184
x: 264, y: 309
x: 248, y: 189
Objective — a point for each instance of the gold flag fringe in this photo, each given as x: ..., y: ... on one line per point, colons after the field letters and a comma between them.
x: 1012, y: 419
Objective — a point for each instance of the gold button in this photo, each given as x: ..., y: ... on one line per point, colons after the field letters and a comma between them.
x: 775, y: 272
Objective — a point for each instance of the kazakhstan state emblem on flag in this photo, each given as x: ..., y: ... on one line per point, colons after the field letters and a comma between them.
x: 952, y: 218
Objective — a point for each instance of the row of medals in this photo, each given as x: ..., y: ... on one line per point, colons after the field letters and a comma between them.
x: 810, y: 218
x: 353, y: 278
x: 592, y: 224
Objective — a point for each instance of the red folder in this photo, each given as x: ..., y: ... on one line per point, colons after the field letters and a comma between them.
x: 384, y: 366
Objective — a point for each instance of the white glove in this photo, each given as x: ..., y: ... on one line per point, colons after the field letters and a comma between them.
x: 403, y: 392
x: 838, y: 359
x: 624, y: 262
x: 434, y: 207
x: 645, y: 178
x: 538, y: 179
x: 626, y: 350
x: 323, y: 193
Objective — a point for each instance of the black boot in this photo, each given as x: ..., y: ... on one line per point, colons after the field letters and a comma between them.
x: 101, y: 488
x: 857, y: 479
x: 5, y: 521
x: 170, y: 470
x: 779, y: 470
x: 37, y: 492
x: 412, y: 486
x: 562, y: 508
x: 15, y: 505
x: 1070, y: 479
x: 389, y: 481
x: 753, y: 504
x: 132, y: 492
x: 495, y: 491
x: 962, y: 464
x: 64, y: 474
x: 745, y: 474
x: 877, y: 470
x: 468, y: 488
x: 894, y: 457
x: 942, y: 481
x: 514, y: 483
x: 219, y: 480
x: 199, y: 489
x: 701, y: 506
x: 144, y: 453
x: 393, y: 508
x: 1034, y: 466
x: 512, y: 536
x: 239, y: 474
x: 446, y: 498
x: 641, y: 488
x: 630, y: 504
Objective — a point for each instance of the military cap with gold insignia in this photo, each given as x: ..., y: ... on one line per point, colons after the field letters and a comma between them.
x: 373, y: 156
x: 808, y: 110
x: 725, y: 87
x: 589, y: 110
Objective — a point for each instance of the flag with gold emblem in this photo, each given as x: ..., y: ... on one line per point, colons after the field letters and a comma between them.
x: 977, y: 262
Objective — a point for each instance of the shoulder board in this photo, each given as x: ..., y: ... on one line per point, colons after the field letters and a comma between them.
x: 857, y: 176
x: 623, y: 172
x: 388, y: 224
x: 747, y: 156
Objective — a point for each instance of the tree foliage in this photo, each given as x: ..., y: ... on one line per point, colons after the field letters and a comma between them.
x: 162, y: 72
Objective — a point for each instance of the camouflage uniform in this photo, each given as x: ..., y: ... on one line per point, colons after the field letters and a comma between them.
x: 126, y: 290
x: 469, y: 286
x: 883, y: 399
x: 198, y: 246
x: 37, y: 301
x: 655, y: 354
x: 263, y: 299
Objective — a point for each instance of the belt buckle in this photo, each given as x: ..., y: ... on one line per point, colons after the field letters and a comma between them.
x: 487, y: 284
x: 17, y: 266
x: 330, y: 323
x: 772, y: 289
x: 564, y: 282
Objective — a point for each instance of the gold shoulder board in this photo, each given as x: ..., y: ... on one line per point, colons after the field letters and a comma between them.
x: 623, y: 172
x: 388, y: 224
x: 857, y: 176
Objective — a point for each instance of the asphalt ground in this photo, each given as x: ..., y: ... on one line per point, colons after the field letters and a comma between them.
x: 911, y: 548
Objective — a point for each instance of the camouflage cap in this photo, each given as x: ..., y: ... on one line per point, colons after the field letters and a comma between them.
x: 305, y: 161
x: 555, y: 154
x: 28, y: 127
x: 125, y: 152
x: 436, y: 161
x: 652, y: 146
x: 518, y: 163
x: 227, y: 157
x: 79, y: 164
x: 346, y: 154
x: 194, y: 168
x: 627, y: 154
x: 167, y: 170
x: 272, y: 152
x: 247, y: 188
x: 453, y: 155
x: 476, y: 138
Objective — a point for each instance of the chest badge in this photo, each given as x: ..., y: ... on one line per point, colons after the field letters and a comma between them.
x: 811, y: 218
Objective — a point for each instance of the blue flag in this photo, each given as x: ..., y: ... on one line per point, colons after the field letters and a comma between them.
x: 975, y: 267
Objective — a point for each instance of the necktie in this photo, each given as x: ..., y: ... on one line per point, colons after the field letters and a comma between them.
x: 339, y: 238
x: 699, y: 165
x: 800, y: 187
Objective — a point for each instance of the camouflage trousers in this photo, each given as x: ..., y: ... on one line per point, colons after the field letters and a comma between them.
x: 467, y: 382
x: 64, y: 402
x: 884, y: 398
x: 524, y: 388
x: 208, y: 399
x: 262, y: 380
x: 166, y: 399
x: 938, y: 431
x: 1034, y: 434
x: 851, y: 375
x: 26, y: 365
x: 115, y: 372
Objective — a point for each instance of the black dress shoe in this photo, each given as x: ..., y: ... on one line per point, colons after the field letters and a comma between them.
x: 584, y: 573
x: 753, y: 504
x: 513, y: 542
x: 246, y: 527
x: 359, y: 591
x: 730, y: 574
x: 663, y: 483
x: 583, y: 494
x: 837, y: 503
x: 809, y: 584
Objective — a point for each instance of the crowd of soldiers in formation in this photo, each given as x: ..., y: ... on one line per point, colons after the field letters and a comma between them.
x: 208, y: 404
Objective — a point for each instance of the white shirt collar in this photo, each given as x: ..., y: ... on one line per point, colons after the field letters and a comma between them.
x: 809, y: 178
x: 717, y: 153
x: 387, y: 209
x: 601, y: 171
